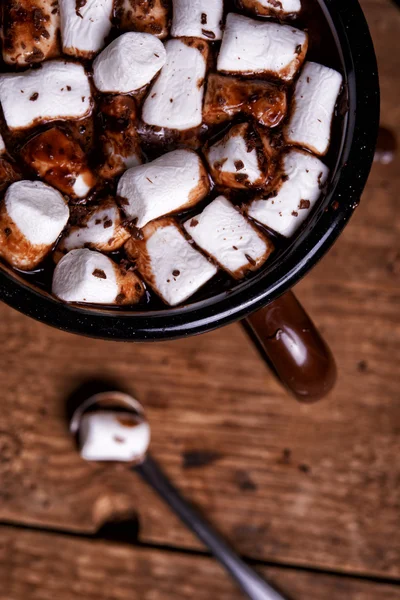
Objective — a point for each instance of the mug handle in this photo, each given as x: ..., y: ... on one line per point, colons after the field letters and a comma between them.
x: 293, y: 347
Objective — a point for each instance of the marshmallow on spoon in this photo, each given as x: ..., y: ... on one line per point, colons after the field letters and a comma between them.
x: 84, y: 276
x: 266, y: 8
x: 148, y: 16
x: 60, y: 161
x: 173, y: 182
x: 32, y: 216
x: 119, y: 136
x: 230, y: 96
x: 113, y: 436
x: 168, y: 262
x: 100, y: 229
x: 176, y: 97
x: 252, y: 47
x: 85, y: 25
x: 197, y: 18
x: 58, y: 90
x: 128, y: 63
x: 240, y: 158
x: 229, y: 238
x: 30, y: 31
x: 314, y: 101
x: 289, y: 205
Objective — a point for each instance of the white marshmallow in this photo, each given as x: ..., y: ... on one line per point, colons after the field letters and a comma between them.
x: 172, y: 182
x: 228, y: 237
x: 30, y: 37
x: 101, y: 229
x: 128, y: 63
x: 272, y: 7
x: 169, y: 263
x: 107, y: 436
x: 315, y: 97
x: 197, y: 18
x: 32, y: 217
x: 2, y: 145
x: 87, y: 276
x: 285, y: 212
x: 57, y: 90
x: 253, y: 47
x: 176, y: 97
x: 84, y: 30
x: 233, y: 162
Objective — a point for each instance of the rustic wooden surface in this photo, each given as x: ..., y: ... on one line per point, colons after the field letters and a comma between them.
x: 312, y: 486
x: 31, y: 570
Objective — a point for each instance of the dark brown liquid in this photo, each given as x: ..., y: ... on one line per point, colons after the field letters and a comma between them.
x: 155, y: 142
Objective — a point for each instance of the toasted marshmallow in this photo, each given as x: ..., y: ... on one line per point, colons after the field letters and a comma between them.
x: 172, y: 182
x: 128, y: 63
x: 252, y: 47
x: 149, y: 16
x: 197, y: 18
x: 100, y: 229
x: 314, y: 101
x: 3, y: 149
x: 229, y: 96
x: 266, y: 8
x: 229, y: 238
x: 239, y: 159
x: 58, y: 90
x: 107, y: 435
x: 119, y: 136
x: 85, y: 25
x: 32, y: 216
x: 87, y: 276
x: 288, y: 206
x: 30, y: 31
x: 168, y: 262
x: 176, y: 97
x: 59, y: 160
x: 8, y: 173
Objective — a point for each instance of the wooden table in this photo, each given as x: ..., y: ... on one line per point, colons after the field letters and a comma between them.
x: 309, y: 493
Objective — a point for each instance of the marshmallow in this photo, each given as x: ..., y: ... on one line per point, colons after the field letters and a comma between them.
x: 2, y: 146
x: 87, y: 276
x: 128, y: 63
x: 119, y: 136
x: 266, y: 8
x: 8, y: 173
x: 197, y: 18
x: 32, y: 216
x: 314, y: 101
x: 168, y: 262
x: 172, y: 182
x: 252, y: 47
x: 239, y: 159
x: 175, y: 99
x: 229, y: 96
x: 149, y: 16
x: 59, y: 160
x: 100, y: 229
x: 30, y: 31
x: 107, y: 435
x: 57, y: 90
x: 85, y: 25
x: 229, y: 238
x: 288, y: 206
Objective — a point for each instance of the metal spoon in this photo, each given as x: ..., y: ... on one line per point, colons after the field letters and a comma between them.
x: 141, y: 462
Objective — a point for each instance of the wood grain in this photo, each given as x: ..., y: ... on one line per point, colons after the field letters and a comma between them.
x: 301, y: 485
x: 30, y: 569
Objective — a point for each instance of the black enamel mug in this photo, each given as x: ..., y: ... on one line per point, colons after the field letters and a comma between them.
x: 274, y: 318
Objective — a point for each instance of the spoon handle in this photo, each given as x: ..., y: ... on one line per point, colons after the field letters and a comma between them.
x: 251, y: 583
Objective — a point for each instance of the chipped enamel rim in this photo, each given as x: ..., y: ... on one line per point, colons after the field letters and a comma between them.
x: 326, y: 223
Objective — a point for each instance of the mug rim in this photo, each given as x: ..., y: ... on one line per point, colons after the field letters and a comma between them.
x: 354, y: 162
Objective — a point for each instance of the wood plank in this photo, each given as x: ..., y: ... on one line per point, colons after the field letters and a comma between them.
x: 306, y: 485
x: 30, y: 569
